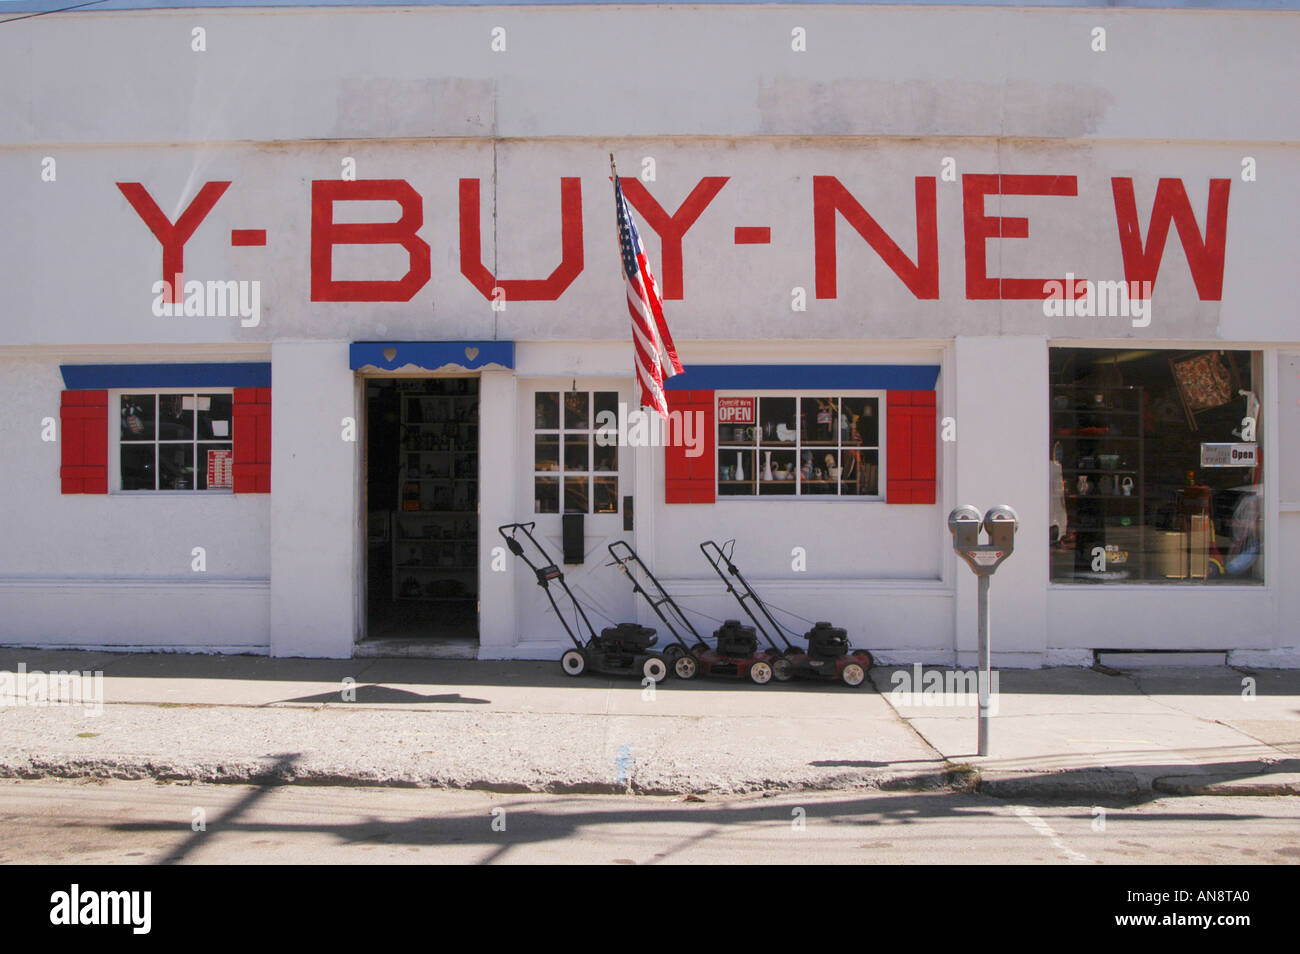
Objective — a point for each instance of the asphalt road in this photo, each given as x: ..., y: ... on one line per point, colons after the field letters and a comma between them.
x: 136, y: 822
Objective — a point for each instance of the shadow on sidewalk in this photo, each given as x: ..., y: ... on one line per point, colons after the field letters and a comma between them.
x: 530, y: 821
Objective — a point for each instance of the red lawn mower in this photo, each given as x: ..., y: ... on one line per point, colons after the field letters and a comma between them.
x: 737, y: 655
x: 828, y: 656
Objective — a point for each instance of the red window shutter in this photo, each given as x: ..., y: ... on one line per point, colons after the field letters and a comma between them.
x: 690, y: 479
x: 910, y: 458
x: 84, y: 448
x: 251, y: 410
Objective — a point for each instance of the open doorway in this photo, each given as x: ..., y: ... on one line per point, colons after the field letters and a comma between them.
x: 421, y: 485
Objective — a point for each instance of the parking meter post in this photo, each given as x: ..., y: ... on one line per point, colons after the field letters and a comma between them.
x: 985, y: 677
x: 1001, y: 524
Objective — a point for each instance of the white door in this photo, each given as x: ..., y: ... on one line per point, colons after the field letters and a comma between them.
x: 570, y: 467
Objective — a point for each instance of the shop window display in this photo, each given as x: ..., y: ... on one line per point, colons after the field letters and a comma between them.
x: 1155, y: 466
x: 806, y: 445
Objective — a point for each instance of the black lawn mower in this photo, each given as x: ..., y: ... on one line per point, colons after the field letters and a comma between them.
x: 620, y: 650
x: 828, y: 656
x: 737, y: 655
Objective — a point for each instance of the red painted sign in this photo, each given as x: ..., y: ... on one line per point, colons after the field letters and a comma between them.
x: 831, y: 201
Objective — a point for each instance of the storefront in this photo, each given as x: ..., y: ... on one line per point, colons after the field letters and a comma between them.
x: 399, y: 325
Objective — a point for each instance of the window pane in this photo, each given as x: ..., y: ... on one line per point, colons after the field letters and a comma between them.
x: 819, y: 420
x: 214, y: 467
x: 776, y: 416
x: 861, y: 423
x: 575, y: 495
x: 736, y: 473
x: 546, y: 411
x: 606, y: 403
x: 214, y: 415
x: 546, y: 494
x: 736, y: 419
x: 777, y: 476
x: 176, y: 417
x: 576, y: 455
x: 606, y: 489
x: 175, y: 466
x: 860, y: 473
x: 605, y: 457
x: 546, y: 452
x: 823, y: 472
x: 138, y: 414
x: 577, y: 410
x: 138, y: 466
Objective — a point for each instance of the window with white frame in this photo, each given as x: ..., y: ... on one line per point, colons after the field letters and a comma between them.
x: 570, y: 467
x: 174, y: 440
x: 800, y: 444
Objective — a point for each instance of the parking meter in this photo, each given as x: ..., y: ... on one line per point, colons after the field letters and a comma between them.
x: 1001, y: 524
x: 964, y: 523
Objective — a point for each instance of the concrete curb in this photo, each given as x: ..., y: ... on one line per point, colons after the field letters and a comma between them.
x: 271, y: 772
x: 1106, y: 783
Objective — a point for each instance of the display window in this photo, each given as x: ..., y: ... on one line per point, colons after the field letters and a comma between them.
x: 1155, y: 466
x: 810, y: 444
x: 572, y: 471
x: 174, y: 441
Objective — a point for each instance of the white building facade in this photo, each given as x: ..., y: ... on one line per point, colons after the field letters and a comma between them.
x: 855, y: 214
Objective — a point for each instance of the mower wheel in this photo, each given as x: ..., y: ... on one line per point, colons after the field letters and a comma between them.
x: 760, y: 672
x: 685, y: 666
x: 853, y: 674
x: 782, y: 669
x: 671, y: 653
x: 573, y: 662
x: 654, y: 668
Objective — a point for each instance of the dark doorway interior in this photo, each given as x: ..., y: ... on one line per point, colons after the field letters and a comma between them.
x: 422, y: 508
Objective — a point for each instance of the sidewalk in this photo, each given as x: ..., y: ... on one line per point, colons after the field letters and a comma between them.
x: 524, y: 726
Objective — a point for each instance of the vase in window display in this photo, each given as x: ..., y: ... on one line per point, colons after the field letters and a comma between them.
x: 767, y: 465
x: 740, y: 466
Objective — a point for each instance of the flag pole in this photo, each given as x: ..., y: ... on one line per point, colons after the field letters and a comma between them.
x: 612, y: 170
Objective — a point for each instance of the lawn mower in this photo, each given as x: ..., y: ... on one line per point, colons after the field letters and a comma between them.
x: 619, y: 650
x: 736, y: 656
x: 828, y: 656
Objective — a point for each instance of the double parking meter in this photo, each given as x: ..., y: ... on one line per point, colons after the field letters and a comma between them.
x: 1000, y: 523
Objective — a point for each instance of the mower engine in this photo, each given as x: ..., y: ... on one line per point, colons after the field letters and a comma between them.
x: 735, y: 639
x: 827, y: 640
x: 627, y: 638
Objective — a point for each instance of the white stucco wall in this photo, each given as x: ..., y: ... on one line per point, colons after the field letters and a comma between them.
x: 883, y: 95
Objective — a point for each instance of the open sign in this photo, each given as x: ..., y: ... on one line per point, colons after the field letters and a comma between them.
x: 736, y: 410
x: 1229, y: 455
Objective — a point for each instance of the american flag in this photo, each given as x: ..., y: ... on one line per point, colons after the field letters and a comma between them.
x: 656, y: 355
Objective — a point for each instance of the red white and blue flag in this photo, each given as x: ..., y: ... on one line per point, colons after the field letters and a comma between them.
x: 656, y: 355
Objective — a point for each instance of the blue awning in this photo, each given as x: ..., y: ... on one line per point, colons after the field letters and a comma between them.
x: 810, y: 377
x: 413, y: 356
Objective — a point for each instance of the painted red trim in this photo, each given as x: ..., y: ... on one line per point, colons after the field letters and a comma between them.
x: 83, y: 454
x: 689, y: 480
